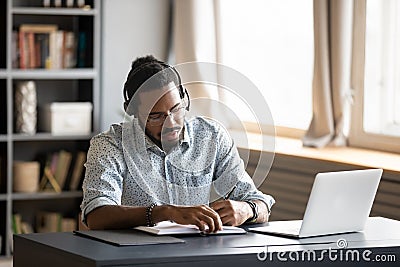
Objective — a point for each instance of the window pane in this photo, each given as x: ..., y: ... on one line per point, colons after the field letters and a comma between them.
x: 271, y: 42
x: 382, y: 68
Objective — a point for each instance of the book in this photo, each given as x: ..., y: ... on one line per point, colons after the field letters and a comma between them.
x: 68, y: 224
x: 22, y: 45
x: 81, y: 50
x: 77, y: 171
x: 26, y: 228
x: 172, y: 228
x: 14, y: 49
x: 63, y: 164
x: 47, y: 221
x: 48, y: 182
x: 38, y: 28
x: 43, y: 40
x: 69, y: 50
x: 56, y: 48
x: 31, y: 50
x: 16, y: 223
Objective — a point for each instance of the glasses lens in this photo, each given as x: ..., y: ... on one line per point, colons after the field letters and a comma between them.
x: 178, y: 113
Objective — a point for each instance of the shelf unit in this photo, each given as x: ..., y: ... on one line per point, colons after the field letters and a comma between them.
x: 79, y: 84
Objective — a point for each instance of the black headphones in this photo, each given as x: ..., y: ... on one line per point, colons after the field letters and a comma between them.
x: 182, y: 89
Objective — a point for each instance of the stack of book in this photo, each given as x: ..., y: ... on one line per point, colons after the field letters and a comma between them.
x: 46, y: 221
x: 45, y: 46
x: 63, y: 170
x: 19, y: 226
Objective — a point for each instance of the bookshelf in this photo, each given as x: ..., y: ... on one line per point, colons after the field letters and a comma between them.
x: 76, y: 82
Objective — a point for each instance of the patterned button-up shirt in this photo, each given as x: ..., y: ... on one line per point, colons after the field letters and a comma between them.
x: 124, y: 167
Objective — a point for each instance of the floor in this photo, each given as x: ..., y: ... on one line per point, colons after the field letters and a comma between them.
x: 6, y: 262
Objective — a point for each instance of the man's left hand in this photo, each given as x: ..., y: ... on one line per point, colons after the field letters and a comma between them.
x: 232, y: 212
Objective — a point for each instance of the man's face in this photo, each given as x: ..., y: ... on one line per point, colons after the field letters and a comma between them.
x: 153, y: 109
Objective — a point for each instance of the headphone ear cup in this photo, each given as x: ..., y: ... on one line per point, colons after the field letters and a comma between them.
x: 126, y: 106
x: 182, y: 91
x: 188, y: 98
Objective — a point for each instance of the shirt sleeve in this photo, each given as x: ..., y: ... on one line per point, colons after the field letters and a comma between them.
x: 230, y: 171
x: 103, y: 180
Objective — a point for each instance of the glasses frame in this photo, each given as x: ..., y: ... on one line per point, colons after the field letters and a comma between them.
x: 158, y: 121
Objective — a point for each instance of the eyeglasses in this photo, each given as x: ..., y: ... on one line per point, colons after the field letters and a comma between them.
x: 159, y: 118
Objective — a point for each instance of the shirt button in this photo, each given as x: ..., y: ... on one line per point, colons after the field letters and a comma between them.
x: 170, y: 185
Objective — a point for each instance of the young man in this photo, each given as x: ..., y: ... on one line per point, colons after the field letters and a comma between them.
x: 159, y: 166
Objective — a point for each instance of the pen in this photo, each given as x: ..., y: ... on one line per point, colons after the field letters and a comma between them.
x: 230, y: 193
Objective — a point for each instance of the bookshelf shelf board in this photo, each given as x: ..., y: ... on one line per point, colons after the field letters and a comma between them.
x: 84, y: 73
x: 3, y: 74
x: 3, y: 197
x: 53, y: 11
x: 49, y: 137
x: 3, y: 138
x: 46, y: 195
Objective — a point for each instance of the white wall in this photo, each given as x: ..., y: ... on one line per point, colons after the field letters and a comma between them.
x: 130, y: 28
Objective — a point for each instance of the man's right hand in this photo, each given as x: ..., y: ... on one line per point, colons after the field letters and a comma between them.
x: 204, y: 217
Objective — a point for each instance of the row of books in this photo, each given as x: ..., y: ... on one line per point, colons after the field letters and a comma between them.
x: 46, y: 221
x: 45, y: 46
x: 63, y: 170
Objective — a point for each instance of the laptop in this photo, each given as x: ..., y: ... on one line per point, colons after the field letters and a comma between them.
x: 339, y: 202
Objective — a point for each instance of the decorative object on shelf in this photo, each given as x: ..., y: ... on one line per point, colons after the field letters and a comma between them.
x: 25, y: 107
x: 66, y: 118
x: 70, y: 3
x: 26, y: 176
x: 46, y: 3
x: 57, y: 3
x: 81, y: 3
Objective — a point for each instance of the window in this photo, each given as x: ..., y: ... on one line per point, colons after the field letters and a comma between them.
x: 271, y: 42
x: 376, y: 112
x: 382, y: 68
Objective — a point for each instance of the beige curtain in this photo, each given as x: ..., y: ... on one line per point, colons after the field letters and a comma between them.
x: 195, y: 40
x: 331, y: 80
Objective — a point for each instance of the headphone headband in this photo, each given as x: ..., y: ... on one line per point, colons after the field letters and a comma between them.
x: 182, y: 89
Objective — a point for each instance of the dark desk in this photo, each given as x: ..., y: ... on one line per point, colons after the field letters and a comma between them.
x: 381, y: 238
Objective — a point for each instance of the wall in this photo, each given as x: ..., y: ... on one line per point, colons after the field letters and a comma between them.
x: 130, y: 28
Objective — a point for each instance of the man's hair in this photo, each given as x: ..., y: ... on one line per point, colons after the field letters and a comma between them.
x: 142, y: 69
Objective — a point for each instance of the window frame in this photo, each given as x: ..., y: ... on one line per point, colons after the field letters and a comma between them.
x: 357, y: 136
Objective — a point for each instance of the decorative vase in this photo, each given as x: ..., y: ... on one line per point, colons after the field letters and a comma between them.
x: 25, y: 107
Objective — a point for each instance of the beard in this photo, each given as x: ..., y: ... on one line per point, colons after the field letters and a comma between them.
x: 167, y: 138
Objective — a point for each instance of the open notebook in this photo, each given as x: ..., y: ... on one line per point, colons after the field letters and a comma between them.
x: 171, y: 228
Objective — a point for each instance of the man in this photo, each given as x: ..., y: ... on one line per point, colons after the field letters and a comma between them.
x: 159, y: 166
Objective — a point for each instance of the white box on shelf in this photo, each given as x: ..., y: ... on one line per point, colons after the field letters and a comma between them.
x: 66, y: 118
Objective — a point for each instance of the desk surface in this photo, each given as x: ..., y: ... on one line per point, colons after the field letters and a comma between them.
x: 381, y: 235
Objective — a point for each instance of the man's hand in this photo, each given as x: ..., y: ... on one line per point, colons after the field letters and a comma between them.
x: 232, y: 212
x: 204, y: 217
